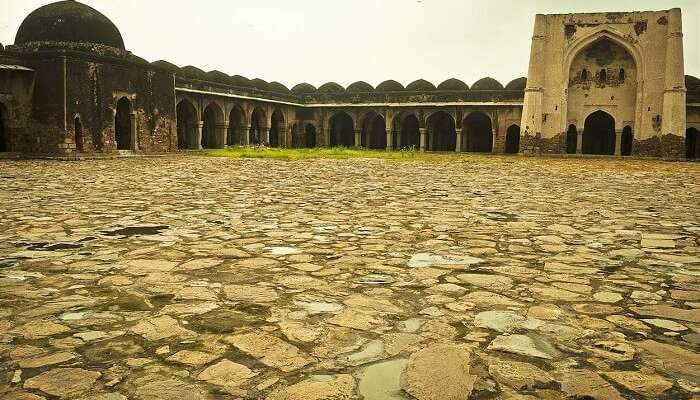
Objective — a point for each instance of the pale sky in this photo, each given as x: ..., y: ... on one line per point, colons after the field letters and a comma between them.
x: 317, y: 41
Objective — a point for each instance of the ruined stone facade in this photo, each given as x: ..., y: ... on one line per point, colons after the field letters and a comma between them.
x: 597, y: 84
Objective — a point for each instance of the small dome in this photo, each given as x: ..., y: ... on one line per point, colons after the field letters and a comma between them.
x: 421, y: 85
x: 217, y: 76
x: 238, y: 80
x: 331, y: 87
x: 453, y: 84
x: 166, y: 65
x: 137, y: 59
x: 487, y: 84
x: 517, y: 84
x: 260, y: 84
x: 692, y: 83
x: 278, y: 87
x: 360, y: 86
x: 193, y: 72
x: 303, y: 88
x: 389, y: 86
x: 68, y: 21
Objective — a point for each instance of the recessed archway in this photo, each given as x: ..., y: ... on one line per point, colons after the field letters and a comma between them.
x: 599, y: 134
x: 342, y: 130
x: 78, y: 131
x: 410, y: 132
x: 442, y: 134
x: 276, y: 128
x: 626, y: 141
x: 309, y: 136
x: 478, y: 133
x: 186, y: 125
x: 4, y: 140
x: 692, y: 143
x: 122, y: 125
x: 373, y: 131
x: 513, y: 139
x: 571, y: 139
x: 235, y: 125
x: 257, y: 127
x: 212, y: 118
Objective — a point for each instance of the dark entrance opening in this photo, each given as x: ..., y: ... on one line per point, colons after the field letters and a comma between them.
x: 78, y: 129
x: 186, y: 125
x: 209, y: 128
x: 626, y: 141
x: 599, y: 134
x: 122, y: 124
x: 513, y: 139
x: 342, y: 133
x: 373, y: 132
x: 257, y: 126
x: 235, y: 125
x: 692, y: 144
x: 442, y: 132
x: 410, y: 133
x: 478, y: 133
x: 309, y: 136
x: 571, y: 139
x: 4, y: 145
x: 276, y: 127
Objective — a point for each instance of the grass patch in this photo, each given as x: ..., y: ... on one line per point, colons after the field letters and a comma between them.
x: 318, y: 152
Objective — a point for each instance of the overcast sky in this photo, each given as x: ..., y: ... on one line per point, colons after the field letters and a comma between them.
x: 317, y: 41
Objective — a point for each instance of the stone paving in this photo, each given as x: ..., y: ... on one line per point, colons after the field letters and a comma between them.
x: 472, y: 277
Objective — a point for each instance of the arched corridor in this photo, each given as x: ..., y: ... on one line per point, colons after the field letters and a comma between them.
x: 571, y: 139
x: 599, y: 134
x: 441, y: 132
x: 692, y: 144
x: 257, y: 127
x: 373, y: 131
x: 212, y: 118
x: 309, y: 136
x: 186, y: 125
x: 513, y: 139
x: 341, y: 130
x: 235, y: 128
x: 478, y: 133
x: 409, y: 135
x: 123, y: 125
x: 4, y: 142
x: 276, y: 129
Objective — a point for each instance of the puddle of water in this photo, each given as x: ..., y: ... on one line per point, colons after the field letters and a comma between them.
x: 382, y: 381
x: 137, y: 230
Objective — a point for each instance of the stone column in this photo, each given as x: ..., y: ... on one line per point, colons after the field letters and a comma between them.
x: 221, y: 135
x: 494, y: 140
x: 618, y: 143
x: 197, y: 145
x: 133, y: 132
x: 266, y: 136
x: 579, y: 141
x: 673, y: 120
x: 358, y: 138
x: 245, y: 132
x: 398, y: 139
x: 458, y: 141
x: 423, y: 138
x: 283, y: 136
x: 389, y: 140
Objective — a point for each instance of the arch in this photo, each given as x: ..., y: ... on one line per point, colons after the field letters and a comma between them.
x: 513, y: 139
x: 276, y: 129
x: 603, y: 31
x: 409, y: 134
x: 692, y: 143
x: 186, y: 125
x: 584, y: 75
x: 309, y: 136
x: 123, y: 126
x: 373, y: 131
x: 236, y: 123
x: 78, y: 131
x: 441, y: 131
x: 257, y: 127
x: 599, y: 134
x: 603, y: 76
x: 212, y: 117
x: 342, y: 131
x: 621, y: 75
x: 571, y: 139
x: 4, y: 137
x: 478, y: 133
x: 626, y: 141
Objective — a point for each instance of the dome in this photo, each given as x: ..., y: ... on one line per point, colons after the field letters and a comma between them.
x: 260, y: 84
x: 421, y: 85
x: 217, y: 76
x: 692, y: 83
x: 193, y: 72
x: 331, y: 87
x: 360, y: 86
x: 389, y: 86
x: 278, y: 87
x: 68, y: 21
x: 136, y: 59
x: 303, y: 88
x: 166, y: 65
x: 453, y: 84
x: 238, y: 80
x: 487, y: 84
x: 517, y: 84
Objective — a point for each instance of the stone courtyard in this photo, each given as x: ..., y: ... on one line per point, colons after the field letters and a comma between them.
x: 185, y: 277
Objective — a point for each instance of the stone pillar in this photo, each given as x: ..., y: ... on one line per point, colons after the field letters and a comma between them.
x: 221, y: 135
x: 423, y: 138
x: 458, y: 140
x: 245, y: 132
x: 398, y: 139
x: 133, y: 132
x: 618, y: 143
x: 389, y: 140
x: 673, y: 122
x: 197, y: 145
x: 579, y: 141
x: 358, y: 138
x: 266, y: 136
x: 531, y: 122
x: 283, y: 136
x: 494, y: 140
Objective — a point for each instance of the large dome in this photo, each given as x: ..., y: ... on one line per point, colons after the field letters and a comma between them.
x: 69, y: 21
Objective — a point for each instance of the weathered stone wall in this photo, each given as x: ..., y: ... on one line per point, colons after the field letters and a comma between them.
x: 16, y: 90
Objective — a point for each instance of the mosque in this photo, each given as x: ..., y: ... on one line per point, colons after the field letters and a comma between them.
x: 598, y: 84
